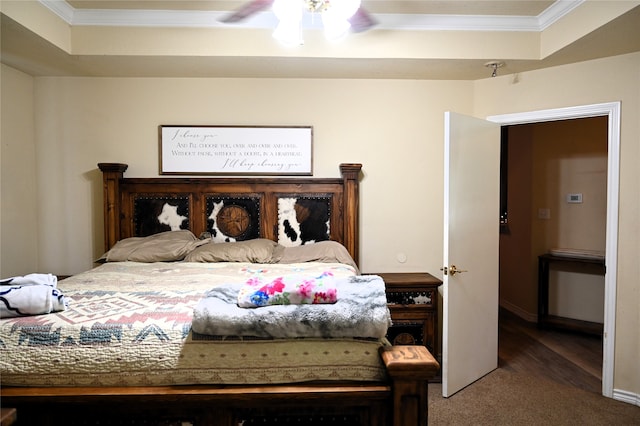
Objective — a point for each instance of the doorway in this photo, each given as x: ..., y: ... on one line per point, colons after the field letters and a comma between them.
x: 553, y: 194
x: 612, y: 112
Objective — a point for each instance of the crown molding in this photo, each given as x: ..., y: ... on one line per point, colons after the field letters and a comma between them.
x: 556, y: 11
x: 266, y: 19
x: 61, y: 8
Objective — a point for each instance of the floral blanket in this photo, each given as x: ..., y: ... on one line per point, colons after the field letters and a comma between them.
x: 361, y: 311
x: 288, y: 290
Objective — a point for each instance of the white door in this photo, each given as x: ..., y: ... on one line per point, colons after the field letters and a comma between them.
x: 471, y: 244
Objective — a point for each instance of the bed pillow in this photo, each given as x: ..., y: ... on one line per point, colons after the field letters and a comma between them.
x: 322, y: 251
x: 169, y: 246
x: 259, y: 250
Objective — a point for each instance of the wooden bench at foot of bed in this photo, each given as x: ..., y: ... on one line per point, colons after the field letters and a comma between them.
x: 400, y: 402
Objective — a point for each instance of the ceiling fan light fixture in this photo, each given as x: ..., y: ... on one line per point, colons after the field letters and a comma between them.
x: 288, y: 34
x: 316, y: 5
x: 335, y: 18
x: 289, y: 29
x: 334, y: 29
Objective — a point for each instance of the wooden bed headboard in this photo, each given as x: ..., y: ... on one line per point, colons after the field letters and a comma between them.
x: 286, y: 210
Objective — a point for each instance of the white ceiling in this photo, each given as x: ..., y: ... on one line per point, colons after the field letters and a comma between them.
x: 450, y: 39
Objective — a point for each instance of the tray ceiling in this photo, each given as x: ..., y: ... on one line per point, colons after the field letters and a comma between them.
x: 413, y: 39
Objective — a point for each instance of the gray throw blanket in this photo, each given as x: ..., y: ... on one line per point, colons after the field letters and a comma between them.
x: 361, y: 311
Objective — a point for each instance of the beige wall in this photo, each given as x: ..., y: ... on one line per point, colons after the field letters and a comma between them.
x: 605, y: 80
x: 18, y: 205
x: 571, y: 157
x: 395, y: 128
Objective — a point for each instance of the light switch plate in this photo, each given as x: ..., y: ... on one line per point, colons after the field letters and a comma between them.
x: 544, y: 213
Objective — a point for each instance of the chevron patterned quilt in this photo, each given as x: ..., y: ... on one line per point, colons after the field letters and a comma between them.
x: 129, y: 324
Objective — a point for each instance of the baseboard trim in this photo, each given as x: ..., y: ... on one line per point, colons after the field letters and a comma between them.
x: 516, y: 310
x: 626, y: 396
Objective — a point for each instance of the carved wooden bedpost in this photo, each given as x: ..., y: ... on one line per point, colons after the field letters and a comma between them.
x: 409, y: 368
x: 111, y: 175
x: 351, y: 175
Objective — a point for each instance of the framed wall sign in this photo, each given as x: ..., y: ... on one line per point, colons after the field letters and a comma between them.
x: 242, y: 150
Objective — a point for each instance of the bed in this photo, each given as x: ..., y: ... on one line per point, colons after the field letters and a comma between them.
x: 137, y: 346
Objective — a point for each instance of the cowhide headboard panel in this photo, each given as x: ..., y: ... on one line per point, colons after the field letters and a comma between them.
x: 291, y: 211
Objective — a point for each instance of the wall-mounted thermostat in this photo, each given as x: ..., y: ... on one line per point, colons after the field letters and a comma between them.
x: 574, y: 198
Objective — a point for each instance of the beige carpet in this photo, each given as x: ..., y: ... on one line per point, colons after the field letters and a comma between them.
x: 507, y: 398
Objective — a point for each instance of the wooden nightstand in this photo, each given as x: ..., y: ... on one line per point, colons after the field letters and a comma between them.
x: 413, y: 302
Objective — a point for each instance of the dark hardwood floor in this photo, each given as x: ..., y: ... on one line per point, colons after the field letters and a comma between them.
x: 566, y: 357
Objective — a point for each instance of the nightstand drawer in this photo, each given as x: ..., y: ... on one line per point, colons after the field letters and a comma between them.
x: 423, y: 298
x: 406, y: 333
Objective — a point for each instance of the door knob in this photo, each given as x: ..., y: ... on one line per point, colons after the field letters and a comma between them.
x: 452, y: 270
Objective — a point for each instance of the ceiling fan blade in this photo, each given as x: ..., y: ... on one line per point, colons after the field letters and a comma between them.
x: 361, y: 21
x: 247, y: 10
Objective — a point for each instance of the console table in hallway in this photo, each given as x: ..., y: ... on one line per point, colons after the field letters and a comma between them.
x: 572, y: 264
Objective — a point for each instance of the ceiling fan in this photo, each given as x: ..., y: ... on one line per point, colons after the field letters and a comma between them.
x: 360, y: 21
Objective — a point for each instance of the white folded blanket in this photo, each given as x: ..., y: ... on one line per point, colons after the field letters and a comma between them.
x: 32, y: 294
x: 360, y: 311
x: 31, y: 279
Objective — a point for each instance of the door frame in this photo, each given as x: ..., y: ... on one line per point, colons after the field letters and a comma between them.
x: 612, y: 111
